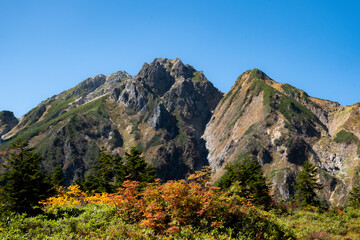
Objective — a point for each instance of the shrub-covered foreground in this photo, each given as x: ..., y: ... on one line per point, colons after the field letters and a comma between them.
x: 174, y: 210
x: 333, y: 224
x: 98, y: 221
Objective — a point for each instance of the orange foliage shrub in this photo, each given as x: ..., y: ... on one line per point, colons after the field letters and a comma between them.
x: 174, y: 204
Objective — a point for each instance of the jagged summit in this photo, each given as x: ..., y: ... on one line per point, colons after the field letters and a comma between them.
x: 253, y: 74
x: 175, y: 66
x: 162, y: 73
x: 176, y: 100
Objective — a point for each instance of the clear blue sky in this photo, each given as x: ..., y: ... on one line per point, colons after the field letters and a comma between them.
x: 47, y: 46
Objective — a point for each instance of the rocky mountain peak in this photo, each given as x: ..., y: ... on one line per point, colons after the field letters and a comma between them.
x: 250, y: 76
x: 162, y: 73
x: 6, y: 116
x: 7, y: 122
x: 117, y: 77
x: 282, y: 126
x: 89, y: 85
x: 259, y: 74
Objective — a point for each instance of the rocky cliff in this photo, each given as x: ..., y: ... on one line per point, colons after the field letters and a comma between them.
x: 7, y: 122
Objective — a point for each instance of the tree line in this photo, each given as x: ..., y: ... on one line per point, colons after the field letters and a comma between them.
x: 24, y: 184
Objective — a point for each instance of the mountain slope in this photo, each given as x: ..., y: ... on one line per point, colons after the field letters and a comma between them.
x: 282, y: 127
x: 163, y: 110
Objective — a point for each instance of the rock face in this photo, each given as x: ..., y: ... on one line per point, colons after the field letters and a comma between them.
x: 7, y: 122
x: 161, y: 118
x: 171, y: 105
x: 282, y: 127
x: 182, y: 122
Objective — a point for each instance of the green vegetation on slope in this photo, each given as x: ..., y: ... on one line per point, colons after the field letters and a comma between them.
x: 289, y: 107
x: 348, y: 138
x: 292, y: 109
x: 258, y: 86
x: 198, y: 76
x: 291, y: 90
x: 154, y: 141
x: 296, y: 93
x: 95, y: 108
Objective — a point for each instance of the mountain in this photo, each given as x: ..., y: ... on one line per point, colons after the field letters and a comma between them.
x: 182, y: 122
x: 163, y: 110
x: 7, y: 122
x: 282, y: 127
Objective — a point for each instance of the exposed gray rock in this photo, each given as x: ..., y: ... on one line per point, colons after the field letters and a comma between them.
x: 285, y: 189
x: 178, y: 69
x: 195, y: 101
x: 7, y: 122
x: 156, y: 76
x: 109, y: 84
x: 115, y: 94
x: 160, y: 117
x: 117, y: 77
x: 89, y: 85
x: 96, y: 86
x: 133, y: 97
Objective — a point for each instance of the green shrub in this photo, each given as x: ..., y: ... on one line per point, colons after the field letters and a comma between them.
x: 346, y: 137
x: 247, y: 175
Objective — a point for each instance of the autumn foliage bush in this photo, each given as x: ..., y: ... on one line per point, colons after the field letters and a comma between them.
x: 169, y: 207
x: 173, y: 204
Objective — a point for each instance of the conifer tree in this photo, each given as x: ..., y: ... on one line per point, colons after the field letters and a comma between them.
x: 136, y: 169
x: 248, y: 176
x: 354, y: 198
x: 110, y: 171
x: 58, y: 176
x: 306, y: 185
x: 107, y: 175
x: 25, y: 184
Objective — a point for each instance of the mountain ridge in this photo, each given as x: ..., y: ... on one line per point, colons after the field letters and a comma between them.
x: 182, y: 122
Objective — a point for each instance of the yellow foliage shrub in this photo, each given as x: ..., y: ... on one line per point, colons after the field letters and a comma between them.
x: 73, y: 196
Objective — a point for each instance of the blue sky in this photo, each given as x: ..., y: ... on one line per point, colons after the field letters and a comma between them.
x: 48, y: 46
